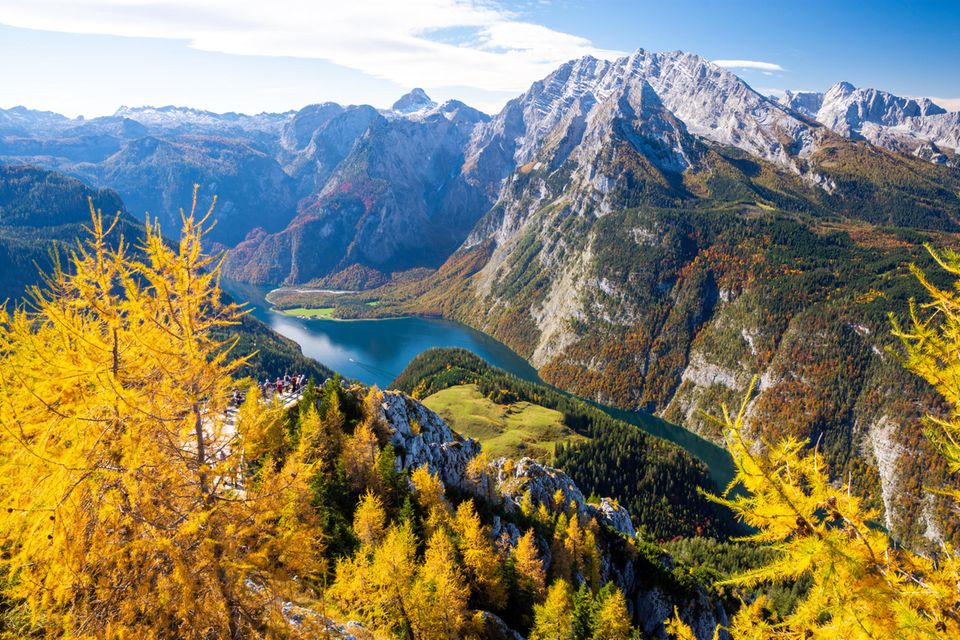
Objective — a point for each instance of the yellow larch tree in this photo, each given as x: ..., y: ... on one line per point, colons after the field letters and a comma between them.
x: 480, y: 557
x: 553, y: 619
x: 529, y: 567
x: 613, y: 619
x: 315, y: 444
x: 440, y: 593
x: 931, y: 343
x: 260, y: 426
x: 376, y: 584
x: 428, y: 493
x: 122, y: 511
x: 361, y: 452
x: 333, y: 420
x: 369, y: 520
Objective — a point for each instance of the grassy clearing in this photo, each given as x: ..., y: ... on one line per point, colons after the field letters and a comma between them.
x: 512, y: 430
x: 303, y: 312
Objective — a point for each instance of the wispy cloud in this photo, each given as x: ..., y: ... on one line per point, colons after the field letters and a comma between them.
x: 431, y: 43
x: 749, y: 64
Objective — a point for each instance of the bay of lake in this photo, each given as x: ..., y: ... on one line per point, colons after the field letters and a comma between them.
x: 377, y: 351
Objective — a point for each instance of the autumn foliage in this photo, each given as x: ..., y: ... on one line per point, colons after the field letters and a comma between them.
x: 138, y: 501
x: 123, y: 504
x: 862, y: 584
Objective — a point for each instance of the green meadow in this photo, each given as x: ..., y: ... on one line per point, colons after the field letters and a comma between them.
x: 512, y: 430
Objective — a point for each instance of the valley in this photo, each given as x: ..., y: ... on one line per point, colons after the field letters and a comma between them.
x: 377, y: 351
x: 649, y: 233
x: 646, y: 340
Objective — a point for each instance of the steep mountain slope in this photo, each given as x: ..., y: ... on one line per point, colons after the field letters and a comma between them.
x: 674, y: 309
x: 317, y: 138
x: 643, y: 265
x: 396, y: 201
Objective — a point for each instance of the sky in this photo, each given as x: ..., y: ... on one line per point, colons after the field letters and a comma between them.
x: 89, y: 57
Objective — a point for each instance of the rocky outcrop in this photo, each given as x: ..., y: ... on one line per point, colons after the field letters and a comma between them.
x: 515, y: 480
x: 420, y: 437
x: 887, y: 453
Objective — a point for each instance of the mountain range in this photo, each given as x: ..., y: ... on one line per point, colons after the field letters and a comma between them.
x: 381, y: 191
x: 915, y: 126
x: 650, y: 232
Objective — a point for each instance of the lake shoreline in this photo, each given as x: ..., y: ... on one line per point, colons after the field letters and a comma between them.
x: 376, y: 350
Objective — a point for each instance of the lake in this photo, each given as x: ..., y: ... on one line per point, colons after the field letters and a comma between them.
x: 376, y: 351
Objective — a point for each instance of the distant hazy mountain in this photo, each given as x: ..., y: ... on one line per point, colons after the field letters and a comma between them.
x: 153, y: 157
x: 911, y: 125
x: 390, y: 193
x: 416, y: 100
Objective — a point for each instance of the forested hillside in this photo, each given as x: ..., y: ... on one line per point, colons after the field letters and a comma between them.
x: 41, y: 210
x: 668, y: 292
x: 659, y: 483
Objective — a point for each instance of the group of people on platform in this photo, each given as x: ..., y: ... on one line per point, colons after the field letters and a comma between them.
x: 286, y: 384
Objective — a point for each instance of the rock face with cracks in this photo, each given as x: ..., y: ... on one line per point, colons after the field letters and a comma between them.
x: 421, y: 437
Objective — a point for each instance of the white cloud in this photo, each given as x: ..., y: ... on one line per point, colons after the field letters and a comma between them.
x: 430, y: 43
x: 748, y: 64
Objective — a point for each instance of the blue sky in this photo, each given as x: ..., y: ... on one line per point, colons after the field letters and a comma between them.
x: 91, y: 56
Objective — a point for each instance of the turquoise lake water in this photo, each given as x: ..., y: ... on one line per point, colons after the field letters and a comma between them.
x: 376, y: 351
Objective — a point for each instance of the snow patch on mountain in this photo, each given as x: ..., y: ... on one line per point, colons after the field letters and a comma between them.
x: 415, y: 100
x: 911, y: 125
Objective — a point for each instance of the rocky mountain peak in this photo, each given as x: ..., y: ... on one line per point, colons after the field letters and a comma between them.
x: 910, y: 125
x: 807, y: 103
x: 413, y: 101
x: 718, y: 105
x: 634, y: 113
x: 847, y: 109
x: 842, y: 88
